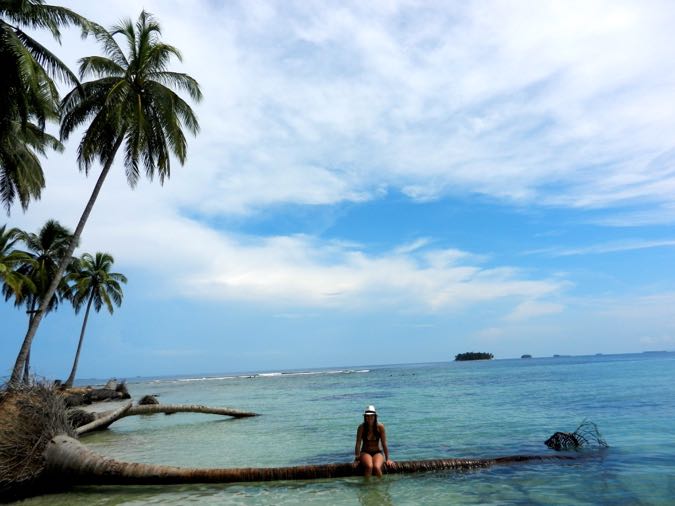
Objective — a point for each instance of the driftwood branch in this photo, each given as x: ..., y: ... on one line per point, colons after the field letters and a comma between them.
x: 149, y: 409
x: 105, y: 419
x: 108, y: 417
x: 67, y: 457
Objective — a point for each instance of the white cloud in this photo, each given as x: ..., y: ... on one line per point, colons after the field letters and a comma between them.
x: 300, y: 270
x: 559, y: 103
x: 555, y: 103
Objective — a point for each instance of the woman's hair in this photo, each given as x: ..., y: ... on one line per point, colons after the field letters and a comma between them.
x: 376, y: 429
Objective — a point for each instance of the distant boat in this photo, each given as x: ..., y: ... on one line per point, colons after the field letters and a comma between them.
x: 526, y: 356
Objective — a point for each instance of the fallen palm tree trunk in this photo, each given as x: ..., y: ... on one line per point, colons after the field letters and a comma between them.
x: 106, y: 418
x: 68, y: 458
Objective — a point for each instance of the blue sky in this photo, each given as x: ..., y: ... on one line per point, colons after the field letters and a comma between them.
x: 386, y: 182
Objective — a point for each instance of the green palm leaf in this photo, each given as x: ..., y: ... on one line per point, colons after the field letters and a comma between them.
x: 28, y: 95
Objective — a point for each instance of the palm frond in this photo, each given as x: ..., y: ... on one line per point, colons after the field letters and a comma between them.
x: 110, y: 46
x: 180, y: 81
x: 47, y: 60
x: 100, y: 66
x: 36, y: 14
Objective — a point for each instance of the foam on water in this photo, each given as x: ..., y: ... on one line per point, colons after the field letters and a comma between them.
x: 259, y: 375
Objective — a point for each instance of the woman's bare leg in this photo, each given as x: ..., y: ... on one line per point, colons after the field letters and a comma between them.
x: 378, y: 460
x: 367, y: 463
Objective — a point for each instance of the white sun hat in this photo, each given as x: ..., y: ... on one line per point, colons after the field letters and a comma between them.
x: 370, y: 410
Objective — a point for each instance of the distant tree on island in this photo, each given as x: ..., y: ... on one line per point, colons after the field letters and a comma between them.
x: 472, y: 355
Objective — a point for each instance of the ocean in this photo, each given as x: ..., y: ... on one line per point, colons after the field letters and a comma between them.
x: 435, y: 410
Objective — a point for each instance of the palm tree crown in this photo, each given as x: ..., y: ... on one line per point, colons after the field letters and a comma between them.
x: 46, y: 249
x: 132, y: 100
x: 28, y: 95
x: 91, y: 278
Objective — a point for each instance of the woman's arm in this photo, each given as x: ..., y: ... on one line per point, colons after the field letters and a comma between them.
x: 383, y: 438
x: 357, y: 447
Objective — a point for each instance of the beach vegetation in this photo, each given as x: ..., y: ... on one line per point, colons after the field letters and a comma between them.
x: 132, y: 104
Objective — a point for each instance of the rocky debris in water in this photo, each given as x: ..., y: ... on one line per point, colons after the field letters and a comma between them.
x: 122, y: 389
x: 80, y: 417
x: 148, y: 399
x: 111, y: 384
x: 73, y: 399
x: 86, y: 395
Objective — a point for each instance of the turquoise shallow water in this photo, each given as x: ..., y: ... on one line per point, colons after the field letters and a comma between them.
x: 441, y: 410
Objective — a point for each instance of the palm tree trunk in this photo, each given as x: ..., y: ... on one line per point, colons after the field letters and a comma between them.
x: 68, y: 459
x: 35, y: 322
x: 108, y: 417
x: 71, y: 377
x: 26, y: 367
x: 26, y: 370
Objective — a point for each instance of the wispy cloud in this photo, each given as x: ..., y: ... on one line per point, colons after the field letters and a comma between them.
x: 612, y: 247
x: 300, y: 270
x: 557, y: 103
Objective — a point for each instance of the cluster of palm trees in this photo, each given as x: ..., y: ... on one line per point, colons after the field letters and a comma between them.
x: 129, y: 103
x: 25, y: 275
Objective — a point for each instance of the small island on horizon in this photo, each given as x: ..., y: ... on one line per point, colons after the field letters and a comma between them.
x: 472, y: 355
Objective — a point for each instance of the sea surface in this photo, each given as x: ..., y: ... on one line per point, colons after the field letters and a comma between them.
x: 437, y: 410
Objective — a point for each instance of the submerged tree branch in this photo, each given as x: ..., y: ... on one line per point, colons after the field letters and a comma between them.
x: 108, y: 417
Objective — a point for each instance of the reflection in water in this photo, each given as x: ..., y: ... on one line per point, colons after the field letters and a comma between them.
x: 375, y: 491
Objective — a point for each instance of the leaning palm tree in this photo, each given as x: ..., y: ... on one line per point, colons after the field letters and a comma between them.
x: 28, y: 95
x: 39, y: 265
x: 132, y: 103
x: 93, y: 284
